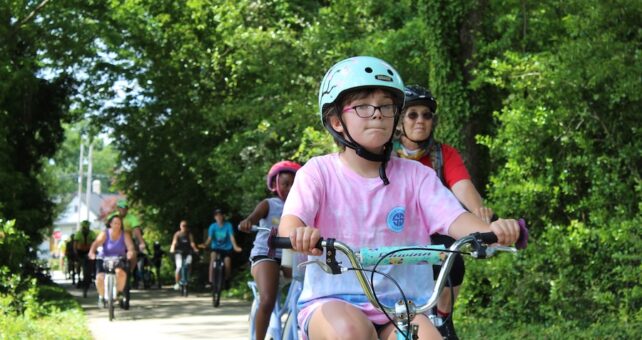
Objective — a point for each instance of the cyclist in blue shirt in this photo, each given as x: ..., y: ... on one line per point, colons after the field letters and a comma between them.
x: 222, y: 242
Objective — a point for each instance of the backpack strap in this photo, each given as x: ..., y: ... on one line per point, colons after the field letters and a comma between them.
x: 437, y: 160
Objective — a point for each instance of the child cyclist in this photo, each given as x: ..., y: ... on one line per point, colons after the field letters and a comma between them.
x: 364, y: 198
x: 265, y: 269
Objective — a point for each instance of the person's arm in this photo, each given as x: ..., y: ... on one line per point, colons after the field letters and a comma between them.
x: 303, y: 238
x: 139, y: 236
x: 208, y: 241
x: 174, y: 240
x: 507, y: 231
x: 130, y: 245
x: 233, y: 240
x: 100, y: 239
x: 192, y: 243
x: 466, y: 193
x: 259, y: 212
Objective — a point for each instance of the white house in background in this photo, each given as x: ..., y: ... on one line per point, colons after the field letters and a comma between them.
x: 67, y: 222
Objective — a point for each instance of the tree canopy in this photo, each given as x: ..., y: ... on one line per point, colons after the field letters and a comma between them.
x: 202, y: 96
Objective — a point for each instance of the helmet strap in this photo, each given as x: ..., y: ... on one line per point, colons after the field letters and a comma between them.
x: 363, y: 152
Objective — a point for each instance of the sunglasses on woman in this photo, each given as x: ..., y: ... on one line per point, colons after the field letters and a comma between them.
x: 414, y: 115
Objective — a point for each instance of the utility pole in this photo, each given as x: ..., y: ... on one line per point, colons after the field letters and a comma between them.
x: 89, y: 169
x: 82, y: 150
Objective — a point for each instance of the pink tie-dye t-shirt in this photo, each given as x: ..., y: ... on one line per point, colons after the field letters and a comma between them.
x: 362, y: 212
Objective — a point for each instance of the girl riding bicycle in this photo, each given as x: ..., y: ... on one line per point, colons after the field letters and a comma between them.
x: 363, y: 196
x: 265, y: 267
x: 182, y: 247
x: 115, y: 241
x: 220, y: 237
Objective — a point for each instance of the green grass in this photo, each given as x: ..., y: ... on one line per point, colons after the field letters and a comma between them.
x: 63, y: 318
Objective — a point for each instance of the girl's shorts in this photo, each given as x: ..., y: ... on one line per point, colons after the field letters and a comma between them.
x: 260, y: 258
x: 378, y: 319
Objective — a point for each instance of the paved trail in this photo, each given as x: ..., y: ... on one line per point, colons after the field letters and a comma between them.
x: 163, y: 314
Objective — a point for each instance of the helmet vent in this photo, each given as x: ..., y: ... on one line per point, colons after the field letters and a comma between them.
x: 368, y: 70
x: 390, y: 72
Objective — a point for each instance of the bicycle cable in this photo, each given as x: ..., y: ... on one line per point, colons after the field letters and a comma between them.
x: 403, y: 296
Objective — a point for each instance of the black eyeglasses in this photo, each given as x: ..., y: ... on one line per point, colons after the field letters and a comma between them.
x: 367, y: 110
x: 414, y: 115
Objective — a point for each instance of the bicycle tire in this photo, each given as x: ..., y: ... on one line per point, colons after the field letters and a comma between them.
x: 86, y: 275
x: 110, y: 298
x: 126, y: 292
x: 217, y: 283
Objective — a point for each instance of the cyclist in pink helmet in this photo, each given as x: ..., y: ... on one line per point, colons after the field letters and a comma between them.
x: 265, y: 265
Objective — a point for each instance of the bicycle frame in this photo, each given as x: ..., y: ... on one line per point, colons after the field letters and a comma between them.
x: 403, y: 311
x: 111, y: 291
x: 278, y: 329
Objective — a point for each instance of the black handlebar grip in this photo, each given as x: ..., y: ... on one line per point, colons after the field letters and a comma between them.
x: 522, y: 240
x: 487, y: 238
x: 280, y: 243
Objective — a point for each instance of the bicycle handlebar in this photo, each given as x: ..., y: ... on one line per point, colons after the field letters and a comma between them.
x: 490, y: 237
x: 418, y: 254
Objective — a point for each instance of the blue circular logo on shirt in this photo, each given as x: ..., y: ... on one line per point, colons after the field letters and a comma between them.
x: 396, y: 218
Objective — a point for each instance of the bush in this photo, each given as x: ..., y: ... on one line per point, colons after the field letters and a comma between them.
x: 568, y: 158
x: 60, y: 317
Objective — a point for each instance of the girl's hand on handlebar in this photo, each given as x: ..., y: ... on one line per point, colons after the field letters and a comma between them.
x: 245, y: 225
x: 507, y: 231
x: 304, y: 239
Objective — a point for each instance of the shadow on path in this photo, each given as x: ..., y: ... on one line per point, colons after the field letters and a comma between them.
x: 164, y: 314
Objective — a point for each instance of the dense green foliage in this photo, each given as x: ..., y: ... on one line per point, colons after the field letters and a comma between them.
x: 59, y: 317
x: 202, y: 96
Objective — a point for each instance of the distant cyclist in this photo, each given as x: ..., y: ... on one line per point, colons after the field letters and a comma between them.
x: 133, y: 225
x: 156, y: 260
x: 83, y: 240
x: 70, y: 254
x: 265, y: 268
x: 182, y: 246
x: 221, y: 240
x: 115, y: 241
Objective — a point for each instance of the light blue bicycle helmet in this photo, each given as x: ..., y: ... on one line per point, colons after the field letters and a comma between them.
x: 360, y: 73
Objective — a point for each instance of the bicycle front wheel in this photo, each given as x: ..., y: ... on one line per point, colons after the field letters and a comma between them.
x: 110, y: 296
x: 217, y: 284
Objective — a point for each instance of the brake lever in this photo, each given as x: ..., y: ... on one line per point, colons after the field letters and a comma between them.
x: 324, y: 266
x: 482, y: 252
x: 490, y: 251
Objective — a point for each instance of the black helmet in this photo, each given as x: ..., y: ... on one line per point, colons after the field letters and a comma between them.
x: 416, y: 94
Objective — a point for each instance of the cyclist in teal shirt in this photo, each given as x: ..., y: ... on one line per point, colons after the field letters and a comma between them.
x: 222, y: 241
